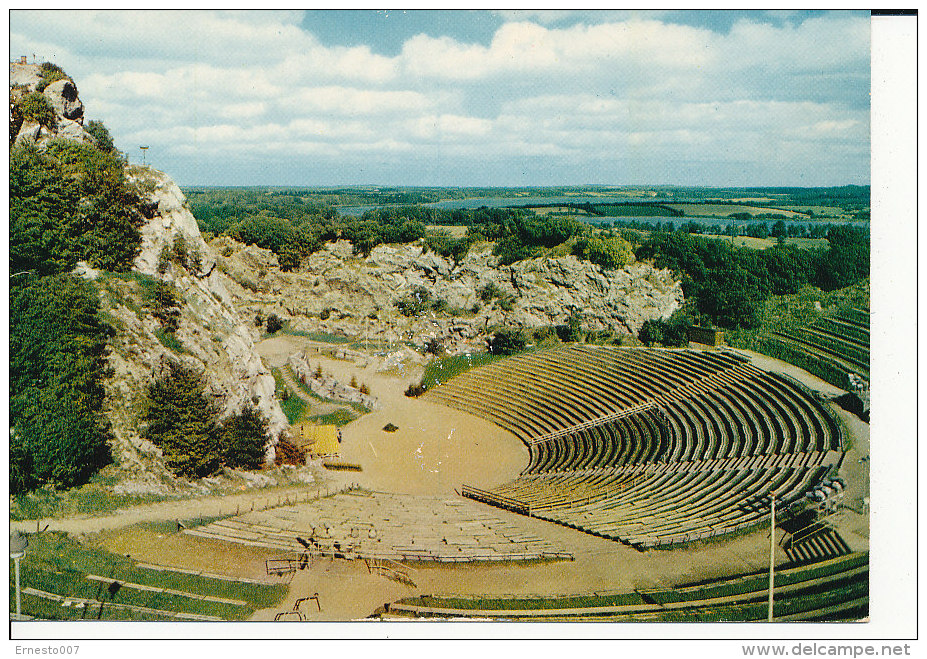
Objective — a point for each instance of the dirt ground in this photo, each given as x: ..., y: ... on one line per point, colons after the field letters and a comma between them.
x: 435, y: 450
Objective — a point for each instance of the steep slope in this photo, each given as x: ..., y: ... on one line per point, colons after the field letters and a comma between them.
x: 210, y: 335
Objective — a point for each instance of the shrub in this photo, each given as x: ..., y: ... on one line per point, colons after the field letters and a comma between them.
x: 161, y: 299
x: 364, y: 389
x: 274, y: 324
x: 50, y: 73
x: 507, y: 341
x: 434, y: 346
x: 572, y: 331
x: 102, y: 136
x: 416, y: 303
x: 35, y: 107
x: 415, y: 390
x: 488, y: 292
x: 671, y: 333
x: 609, y: 252
x: 288, y: 454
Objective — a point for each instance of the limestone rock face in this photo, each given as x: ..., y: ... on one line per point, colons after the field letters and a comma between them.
x: 63, y: 98
x: 212, y: 335
x: 62, y: 95
x: 335, y: 291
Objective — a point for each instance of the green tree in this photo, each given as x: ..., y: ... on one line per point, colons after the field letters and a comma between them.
x: 102, y: 136
x: 243, y: 438
x: 507, y: 341
x: 59, y: 434
x: 182, y: 422
x: 609, y: 252
x: 162, y: 300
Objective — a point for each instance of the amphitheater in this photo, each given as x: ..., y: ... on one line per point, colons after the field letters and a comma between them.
x: 644, y: 493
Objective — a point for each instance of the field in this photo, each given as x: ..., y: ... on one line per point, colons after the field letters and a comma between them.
x: 725, y: 210
x: 765, y: 243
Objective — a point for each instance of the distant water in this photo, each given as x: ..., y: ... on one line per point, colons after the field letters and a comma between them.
x: 506, y: 202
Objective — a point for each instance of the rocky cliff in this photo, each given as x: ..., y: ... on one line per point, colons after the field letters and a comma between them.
x: 335, y: 291
x: 61, y: 96
x: 210, y: 334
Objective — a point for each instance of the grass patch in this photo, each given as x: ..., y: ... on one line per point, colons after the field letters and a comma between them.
x: 294, y: 408
x: 169, y: 341
x: 90, y: 499
x: 340, y: 417
x: 321, y: 337
x: 58, y: 564
x: 438, y: 371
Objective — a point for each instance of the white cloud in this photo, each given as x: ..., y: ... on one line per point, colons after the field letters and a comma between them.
x: 246, y: 85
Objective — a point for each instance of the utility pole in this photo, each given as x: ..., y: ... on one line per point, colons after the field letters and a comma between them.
x: 772, y: 552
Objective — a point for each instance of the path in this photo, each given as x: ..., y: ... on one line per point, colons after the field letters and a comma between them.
x: 185, y: 509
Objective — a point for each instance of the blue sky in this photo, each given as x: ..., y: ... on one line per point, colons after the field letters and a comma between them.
x: 473, y: 97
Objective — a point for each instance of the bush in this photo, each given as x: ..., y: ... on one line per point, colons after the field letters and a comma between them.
x: 488, y: 292
x: 572, y: 331
x: 434, y: 346
x: 672, y: 333
x: 35, y: 107
x: 50, y: 73
x: 161, y: 299
x: 102, y: 136
x: 609, y: 252
x: 288, y: 454
x: 507, y: 341
x: 415, y: 303
x: 415, y: 390
x: 274, y: 324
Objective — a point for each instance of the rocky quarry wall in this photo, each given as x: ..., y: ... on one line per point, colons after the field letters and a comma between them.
x: 335, y: 291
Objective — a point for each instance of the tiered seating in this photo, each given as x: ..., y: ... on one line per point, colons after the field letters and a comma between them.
x: 650, y: 447
x: 840, y: 343
x: 834, y: 589
x: 363, y: 524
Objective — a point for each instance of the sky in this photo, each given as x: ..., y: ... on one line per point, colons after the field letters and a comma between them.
x: 472, y: 98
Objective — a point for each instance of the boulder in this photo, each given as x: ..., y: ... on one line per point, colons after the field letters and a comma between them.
x: 62, y: 95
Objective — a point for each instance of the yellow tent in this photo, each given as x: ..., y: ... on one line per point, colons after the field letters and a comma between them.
x: 318, y: 440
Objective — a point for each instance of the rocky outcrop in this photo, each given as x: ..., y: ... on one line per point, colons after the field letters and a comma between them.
x: 335, y: 291
x: 63, y: 98
x: 326, y: 386
x: 210, y: 337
